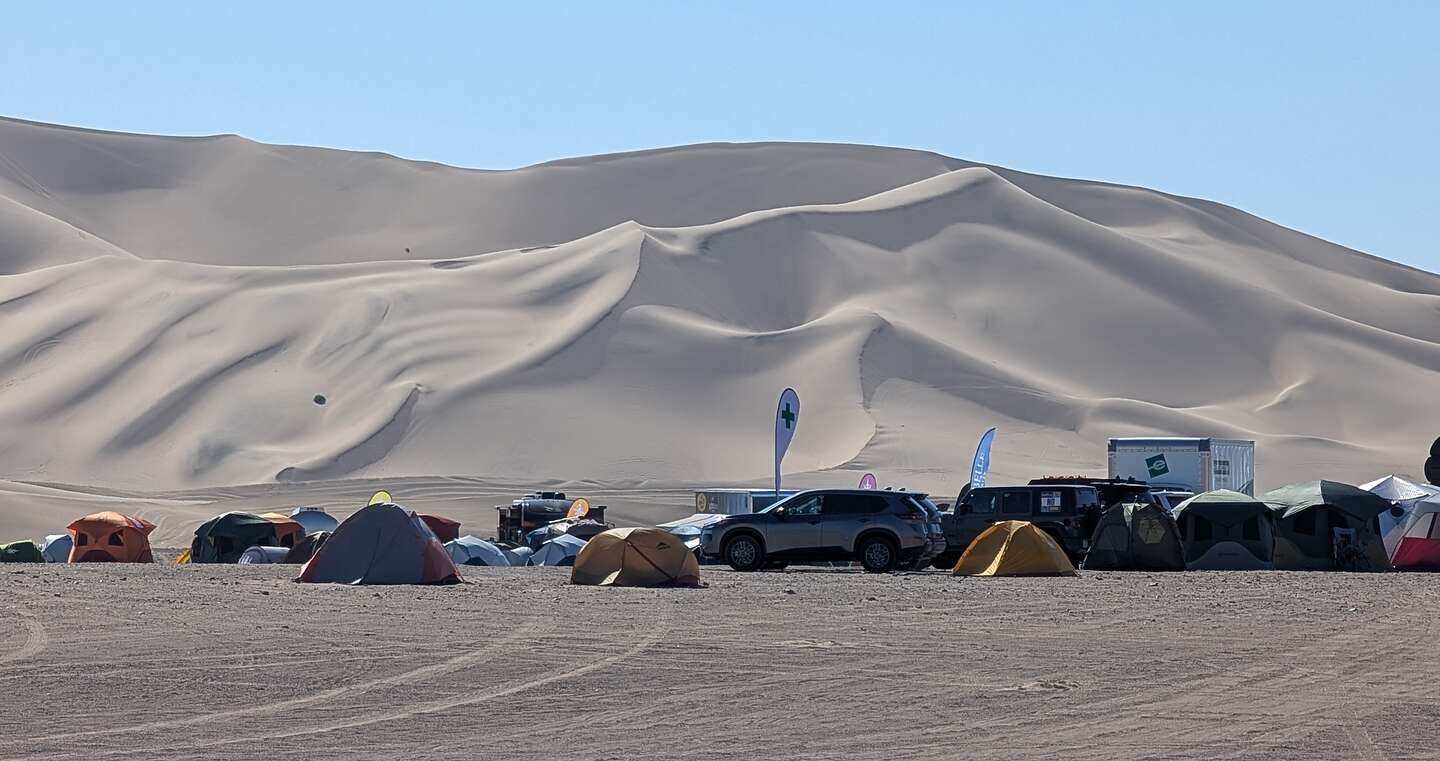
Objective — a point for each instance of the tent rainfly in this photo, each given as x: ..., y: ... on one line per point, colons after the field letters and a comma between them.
x: 1014, y: 548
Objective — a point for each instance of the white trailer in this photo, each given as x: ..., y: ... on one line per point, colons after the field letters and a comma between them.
x: 1186, y: 464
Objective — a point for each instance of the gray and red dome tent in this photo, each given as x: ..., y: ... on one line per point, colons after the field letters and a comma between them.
x: 381, y: 544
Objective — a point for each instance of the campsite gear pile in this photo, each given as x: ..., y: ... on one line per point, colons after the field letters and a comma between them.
x: 543, y: 511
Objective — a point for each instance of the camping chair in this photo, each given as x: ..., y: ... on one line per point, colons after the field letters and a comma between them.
x: 1348, y: 555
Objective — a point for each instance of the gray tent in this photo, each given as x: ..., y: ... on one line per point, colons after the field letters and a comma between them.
x: 1226, y: 531
x: 1139, y: 537
x: 57, y: 548
x: 381, y: 544
x: 1328, y: 526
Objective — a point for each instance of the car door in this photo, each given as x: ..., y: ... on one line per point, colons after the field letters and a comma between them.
x: 982, y: 508
x: 796, y: 530
x: 844, y: 517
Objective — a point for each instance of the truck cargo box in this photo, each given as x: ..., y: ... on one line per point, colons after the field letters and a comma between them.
x: 1186, y: 464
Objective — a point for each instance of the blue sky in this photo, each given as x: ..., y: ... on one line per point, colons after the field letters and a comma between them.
x: 1318, y: 115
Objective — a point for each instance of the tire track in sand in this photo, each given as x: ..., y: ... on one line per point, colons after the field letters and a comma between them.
x: 35, y: 641
x: 656, y: 632
x: 464, y: 660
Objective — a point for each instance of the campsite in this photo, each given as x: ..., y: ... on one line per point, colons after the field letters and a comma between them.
x: 1158, y: 663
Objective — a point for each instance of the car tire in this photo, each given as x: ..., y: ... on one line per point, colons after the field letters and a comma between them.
x: 744, y: 553
x: 877, y: 554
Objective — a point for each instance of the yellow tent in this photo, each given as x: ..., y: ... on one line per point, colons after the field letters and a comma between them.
x: 1014, y: 548
x: 636, y: 557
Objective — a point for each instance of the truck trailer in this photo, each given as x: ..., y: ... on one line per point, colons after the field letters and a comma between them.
x: 1186, y: 464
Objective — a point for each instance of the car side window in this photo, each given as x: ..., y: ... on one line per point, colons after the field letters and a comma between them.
x: 1016, y: 503
x: 982, y: 503
x: 807, y: 507
x: 851, y: 504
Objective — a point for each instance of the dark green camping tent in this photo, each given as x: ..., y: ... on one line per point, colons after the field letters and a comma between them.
x: 1135, y: 537
x: 1327, y: 526
x: 23, y: 551
x: 224, y: 538
x: 1226, y: 531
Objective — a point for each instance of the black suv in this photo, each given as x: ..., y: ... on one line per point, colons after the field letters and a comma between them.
x: 884, y: 530
x: 1065, y: 511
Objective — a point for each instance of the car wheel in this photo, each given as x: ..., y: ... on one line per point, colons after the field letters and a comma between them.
x: 878, y: 554
x: 743, y: 553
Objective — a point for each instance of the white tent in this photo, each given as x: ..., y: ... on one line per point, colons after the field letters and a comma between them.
x: 471, y: 550
x: 57, y: 548
x: 1418, y: 548
x: 1403, y: 495
x: 313, y: 519
x: 558, y: 551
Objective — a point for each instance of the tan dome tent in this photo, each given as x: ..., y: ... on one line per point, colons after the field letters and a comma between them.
x: 636, y: 557
x: 1226, y: 531
x: 1014, y: 548
x: 1328, y: 526
x: 381, y: 544
x: 1135, y: 537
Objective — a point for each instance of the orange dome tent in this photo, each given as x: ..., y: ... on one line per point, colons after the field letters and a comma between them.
x: 110, y: 537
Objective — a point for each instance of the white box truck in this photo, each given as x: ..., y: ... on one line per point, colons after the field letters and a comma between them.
x: 1186, y: 464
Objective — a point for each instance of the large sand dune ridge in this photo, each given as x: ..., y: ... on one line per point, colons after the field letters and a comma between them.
x: 173, y: 305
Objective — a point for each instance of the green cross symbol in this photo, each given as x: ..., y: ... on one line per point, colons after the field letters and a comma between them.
x: 787, y: 416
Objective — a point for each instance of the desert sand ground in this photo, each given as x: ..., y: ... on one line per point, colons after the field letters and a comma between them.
x: 237, y: 662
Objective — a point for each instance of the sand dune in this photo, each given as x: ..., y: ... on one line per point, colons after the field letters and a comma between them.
x: 174, y: 305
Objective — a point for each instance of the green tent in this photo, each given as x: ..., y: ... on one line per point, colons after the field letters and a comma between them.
x: 1327, y: 526
x: 23, y: 551
x: 224, y: 538
x: 1226, y: 531
x: 1135, y: 537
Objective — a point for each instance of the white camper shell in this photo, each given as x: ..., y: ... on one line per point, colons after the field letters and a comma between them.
x: 1195, y: 465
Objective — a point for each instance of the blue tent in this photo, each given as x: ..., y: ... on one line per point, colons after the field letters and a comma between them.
x: 558, y: 551
x: 471, y: 550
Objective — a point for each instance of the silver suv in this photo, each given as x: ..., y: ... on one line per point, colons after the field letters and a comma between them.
x: 883, y: 530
